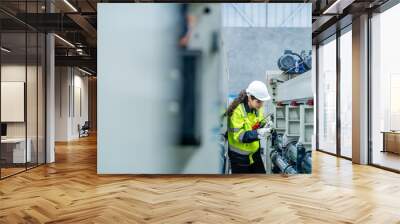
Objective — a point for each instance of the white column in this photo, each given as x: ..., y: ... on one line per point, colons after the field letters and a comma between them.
x: 50, y: 110
x: 50, y: 92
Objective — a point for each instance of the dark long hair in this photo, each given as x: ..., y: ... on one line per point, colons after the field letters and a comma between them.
x: 242, y: 97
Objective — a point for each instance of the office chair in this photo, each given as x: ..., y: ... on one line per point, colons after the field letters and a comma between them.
x: 84, y: 130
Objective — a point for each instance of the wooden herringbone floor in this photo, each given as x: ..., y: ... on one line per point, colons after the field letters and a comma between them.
x: 70, y: 191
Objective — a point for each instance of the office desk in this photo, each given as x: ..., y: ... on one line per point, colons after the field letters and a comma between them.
x: 391, y: 141
x: 13, y: 150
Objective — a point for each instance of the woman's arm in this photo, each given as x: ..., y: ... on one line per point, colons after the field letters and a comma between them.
x: 250, y: 136
x: 239, y: 132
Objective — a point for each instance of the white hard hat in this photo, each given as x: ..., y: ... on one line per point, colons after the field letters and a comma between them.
x: 259, y: 90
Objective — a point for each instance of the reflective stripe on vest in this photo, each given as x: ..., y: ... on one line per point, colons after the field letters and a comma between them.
x: 239, y: 151
x: 243, y: 110
x: 241, y: 136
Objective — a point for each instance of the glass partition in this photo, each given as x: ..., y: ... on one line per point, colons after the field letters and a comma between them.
x: 14, y: 153
x: 22, y: 88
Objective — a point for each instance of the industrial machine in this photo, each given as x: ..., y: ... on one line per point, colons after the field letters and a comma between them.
x: 288, y: 155
x: 294, y: 63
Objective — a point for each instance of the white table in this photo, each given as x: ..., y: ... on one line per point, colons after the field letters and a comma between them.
x: 19, y: 155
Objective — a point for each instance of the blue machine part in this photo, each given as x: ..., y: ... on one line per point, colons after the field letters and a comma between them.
x: 293, y: 63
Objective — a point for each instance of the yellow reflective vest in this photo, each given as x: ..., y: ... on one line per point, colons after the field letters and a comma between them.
x: 238, y: 123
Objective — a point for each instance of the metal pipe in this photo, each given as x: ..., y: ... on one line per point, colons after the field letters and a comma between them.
x: 282, y: 164
x: 291, y: 152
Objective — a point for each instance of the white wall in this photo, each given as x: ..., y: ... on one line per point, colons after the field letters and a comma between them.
x: 80, y: 109
x: 67, y: 116
x: 12, y: 73
x: 15, y: 73
x: 61, y: 103
x: 137, y: 91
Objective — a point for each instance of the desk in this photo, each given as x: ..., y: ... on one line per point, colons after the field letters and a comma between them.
x: 391, y: 141
x: 15, y: 148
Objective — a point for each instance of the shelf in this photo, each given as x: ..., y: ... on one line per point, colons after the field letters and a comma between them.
x: 307, y: 143
x: 280, y: 118
x: 280, y: 129
x: 308, y: 124
x: 293, y: 135
x: 294, y: 120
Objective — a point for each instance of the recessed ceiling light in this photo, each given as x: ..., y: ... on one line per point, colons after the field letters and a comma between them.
x: 65, y: 41
x: 84, y: 71
x: 5, y: 50
x: 70, y: 5
x: 338, y: 6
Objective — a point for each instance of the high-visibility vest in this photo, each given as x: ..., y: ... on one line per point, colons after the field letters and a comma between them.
x: 238, y: 123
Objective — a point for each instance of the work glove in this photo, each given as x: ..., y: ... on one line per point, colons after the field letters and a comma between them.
x: 263, y: 132
x: 270, y: 124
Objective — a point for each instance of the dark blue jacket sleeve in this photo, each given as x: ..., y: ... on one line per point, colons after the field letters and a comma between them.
x: 250, y: 136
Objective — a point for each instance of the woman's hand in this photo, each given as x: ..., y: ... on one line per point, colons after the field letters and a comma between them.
x: 270, y: 124
x: 263, y: 132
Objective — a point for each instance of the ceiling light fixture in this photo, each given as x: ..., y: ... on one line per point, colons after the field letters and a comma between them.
x: 65, y: 41
x: 70, y: 5
x: 337, y: 7
x: 79, y: 51
x: 5, y: 50
x: 84, y: 71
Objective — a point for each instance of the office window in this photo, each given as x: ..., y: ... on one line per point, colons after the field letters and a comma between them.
x: 385, y: 89
x: 266, y: 15
x: 346, y: 94
x: 327, y: 96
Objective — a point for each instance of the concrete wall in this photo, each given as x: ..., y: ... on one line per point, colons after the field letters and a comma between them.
x: 250, y: 52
